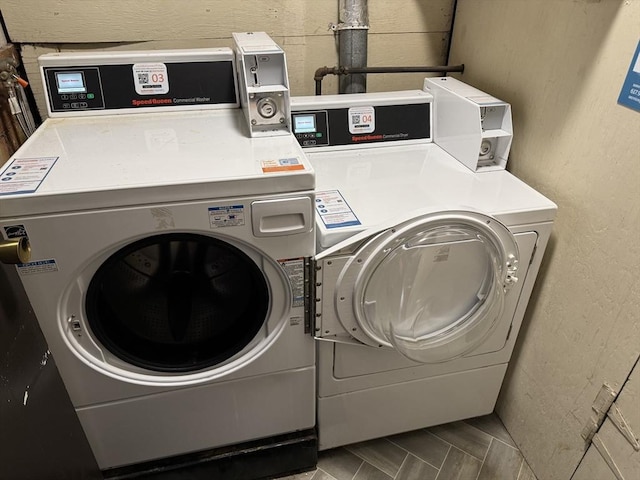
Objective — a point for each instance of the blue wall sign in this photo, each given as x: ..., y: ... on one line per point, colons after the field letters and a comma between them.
x: 630, y: 93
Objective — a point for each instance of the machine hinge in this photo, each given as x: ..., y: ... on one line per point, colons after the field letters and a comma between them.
x: 309, y: 295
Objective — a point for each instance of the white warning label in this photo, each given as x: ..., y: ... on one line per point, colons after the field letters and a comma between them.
x: 40, y: 266
x: 294, y: 269
x: 226, y: 216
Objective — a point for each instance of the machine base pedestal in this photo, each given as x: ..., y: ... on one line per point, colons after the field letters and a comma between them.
x: 267, y: 458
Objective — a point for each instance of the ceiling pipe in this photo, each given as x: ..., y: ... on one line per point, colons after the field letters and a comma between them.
x: 352, y: 39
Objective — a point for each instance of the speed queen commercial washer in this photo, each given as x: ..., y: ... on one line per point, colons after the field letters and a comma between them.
x: 424, y: 268
x: 168, y: 252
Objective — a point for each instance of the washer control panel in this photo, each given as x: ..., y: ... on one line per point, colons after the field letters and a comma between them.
x: 74, y: 88
x: 104, y: 82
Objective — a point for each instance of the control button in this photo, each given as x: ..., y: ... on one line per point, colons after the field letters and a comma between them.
x: 65, y: 105
x: 308, y: 143
x: 90, y: 96
x: 84, y: 104
x: 75, y: 105
x: 64, y: 97
x: 82, y: 96
x: 319, y: 135
x: 73, y: 96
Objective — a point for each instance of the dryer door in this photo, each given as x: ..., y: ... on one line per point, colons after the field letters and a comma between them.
x: 433, y: 288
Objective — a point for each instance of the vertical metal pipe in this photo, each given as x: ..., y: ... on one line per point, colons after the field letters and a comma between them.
x: 352, y: 37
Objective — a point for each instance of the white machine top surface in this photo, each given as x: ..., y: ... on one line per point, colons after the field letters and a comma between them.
x: 395, y: 183
x: 134, y: 159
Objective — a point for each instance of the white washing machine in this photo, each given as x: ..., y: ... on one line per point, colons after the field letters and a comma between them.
x: 168, y: 255
x: 424, y: 268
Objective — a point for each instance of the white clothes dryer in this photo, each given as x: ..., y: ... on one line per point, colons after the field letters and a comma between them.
x: 424, y: 268
x: 168, y: 257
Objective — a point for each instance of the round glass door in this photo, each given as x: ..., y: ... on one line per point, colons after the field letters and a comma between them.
x: 177, y: 302
x: 435, y: 289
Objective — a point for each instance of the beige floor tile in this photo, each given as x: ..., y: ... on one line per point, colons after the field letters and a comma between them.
x: 467, y: 438
x: 460, y: 466
x: 492, y: 425
x: 320, y: 475
x: 413, y: 468
x: 502, y: 461
x: 369, y: 472
x: 526, y: 473
x: 339, y: 463
x: 380, y: 453
x: 300, y: 476
x: 423, y: 445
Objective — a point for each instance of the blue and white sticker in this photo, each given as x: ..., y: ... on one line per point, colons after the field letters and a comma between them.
x: 630, y: 93
x: 334, y: 211
x: 24, y: 175
x: 39, y: 266
x: 226, y: 216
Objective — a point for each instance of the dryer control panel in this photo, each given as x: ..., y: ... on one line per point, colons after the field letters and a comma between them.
x: 105, y: 82
x: 357, y: 119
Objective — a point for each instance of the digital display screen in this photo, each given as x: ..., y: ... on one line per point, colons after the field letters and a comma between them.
x: 70, y: 82
x: 304, y: 124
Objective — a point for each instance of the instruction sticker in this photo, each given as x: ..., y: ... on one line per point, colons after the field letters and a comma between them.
x: 150, y: 78
x: 24, y: 175
x: 362, y: 120
x: 226, y: 216
x: 282, y: 165
x: 40, y: 266
x: 294, y: 269
x: 334, y: 211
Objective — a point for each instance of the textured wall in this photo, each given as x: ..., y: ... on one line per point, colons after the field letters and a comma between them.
x: 562, y: 69
x: 403, y: 32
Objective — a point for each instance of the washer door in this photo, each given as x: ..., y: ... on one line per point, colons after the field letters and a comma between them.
x: 432, y: 288
x: 176, y: 303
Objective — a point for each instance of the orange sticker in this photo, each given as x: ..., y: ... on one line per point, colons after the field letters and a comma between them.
x: 281, y: 165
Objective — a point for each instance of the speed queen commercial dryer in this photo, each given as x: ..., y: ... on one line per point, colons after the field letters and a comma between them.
x: 424, y: 272
x: 168, y: 251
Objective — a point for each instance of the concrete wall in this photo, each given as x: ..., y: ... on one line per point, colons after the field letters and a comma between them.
x: 403, y: 32
x: 561, y: 64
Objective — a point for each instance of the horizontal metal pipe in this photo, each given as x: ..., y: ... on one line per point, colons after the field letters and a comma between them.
x: 322, y: 72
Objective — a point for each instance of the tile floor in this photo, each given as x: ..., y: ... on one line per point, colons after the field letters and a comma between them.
x: 475, y: 449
